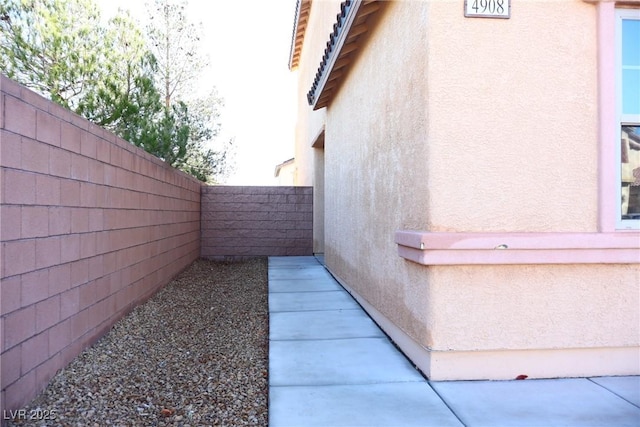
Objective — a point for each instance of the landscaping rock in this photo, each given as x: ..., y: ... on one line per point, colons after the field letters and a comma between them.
x: 195, y: 354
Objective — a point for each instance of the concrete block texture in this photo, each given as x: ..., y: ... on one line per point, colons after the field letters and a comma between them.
x: 90, y: 226
x: 241, y: 221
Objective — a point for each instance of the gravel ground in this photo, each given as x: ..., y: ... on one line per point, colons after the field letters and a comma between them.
x: 196, y: 354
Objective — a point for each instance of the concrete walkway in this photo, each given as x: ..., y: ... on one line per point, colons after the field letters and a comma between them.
x: 330, y: 365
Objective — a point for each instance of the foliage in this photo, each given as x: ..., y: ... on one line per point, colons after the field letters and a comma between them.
x: 52, y: 46
x: 203, y: 161
x: 125, y: 100
x: 109, y: 75
x: 175, y: 43
x: 207, y: 164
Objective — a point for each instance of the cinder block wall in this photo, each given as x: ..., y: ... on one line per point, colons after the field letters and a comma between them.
x: 90, y: 227
x: 256, y: 221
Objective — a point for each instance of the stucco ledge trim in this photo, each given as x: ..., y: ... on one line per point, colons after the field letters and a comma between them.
x: 443, y: 248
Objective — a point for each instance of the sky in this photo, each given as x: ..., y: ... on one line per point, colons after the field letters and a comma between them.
x: 248, y: 45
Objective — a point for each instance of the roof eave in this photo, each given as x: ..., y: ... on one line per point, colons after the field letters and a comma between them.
x: 299, y: 28
x: 352, y: 23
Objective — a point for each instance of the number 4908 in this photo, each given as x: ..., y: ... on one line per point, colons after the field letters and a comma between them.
x: 497, y: 8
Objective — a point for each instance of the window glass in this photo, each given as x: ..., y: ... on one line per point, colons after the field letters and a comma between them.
x: 629, y: 117
x: 630, y: 157
x: 630, y: 66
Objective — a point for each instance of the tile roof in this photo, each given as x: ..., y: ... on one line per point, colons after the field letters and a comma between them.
x: 346, y: 37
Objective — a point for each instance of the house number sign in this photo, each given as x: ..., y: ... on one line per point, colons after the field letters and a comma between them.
x: 487, y: 8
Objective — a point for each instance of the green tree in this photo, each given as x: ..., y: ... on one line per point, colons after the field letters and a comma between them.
x: 125, y: 99
x: 176, y: 44
x: 52, y: 46
x: 107, y: 74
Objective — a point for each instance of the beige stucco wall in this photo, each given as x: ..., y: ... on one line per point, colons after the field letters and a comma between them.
x: 446, y: 123
x: 318, y: 201
x: 513, y: 129
x: 309, y: 124
x: 376, y: 175
x: 532, y: 307
x: 310, y: 161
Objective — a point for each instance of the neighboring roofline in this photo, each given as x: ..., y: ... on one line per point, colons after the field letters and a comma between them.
x: 299, y: 28
x: 632, y: 135
x: 318, y: 140
x: 343, y: 40
x: 283, y: 164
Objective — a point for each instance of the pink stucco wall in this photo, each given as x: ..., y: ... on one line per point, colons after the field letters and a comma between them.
x: 90, y: 227
x: 256, y: 221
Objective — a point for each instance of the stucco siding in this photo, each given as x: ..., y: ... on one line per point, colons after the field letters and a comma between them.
x: 308, y: 126
x: 513, y: 123
x: 376, y: 166
x: 478, y: 308
x: 451, y: 124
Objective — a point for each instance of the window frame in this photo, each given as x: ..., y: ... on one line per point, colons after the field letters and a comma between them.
x: 620, y: 118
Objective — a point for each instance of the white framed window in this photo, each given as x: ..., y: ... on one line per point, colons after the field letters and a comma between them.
x: 628, y: 118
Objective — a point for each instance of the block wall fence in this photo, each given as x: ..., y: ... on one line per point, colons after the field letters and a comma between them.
x: 91, y: 226
x: 239, y: 222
